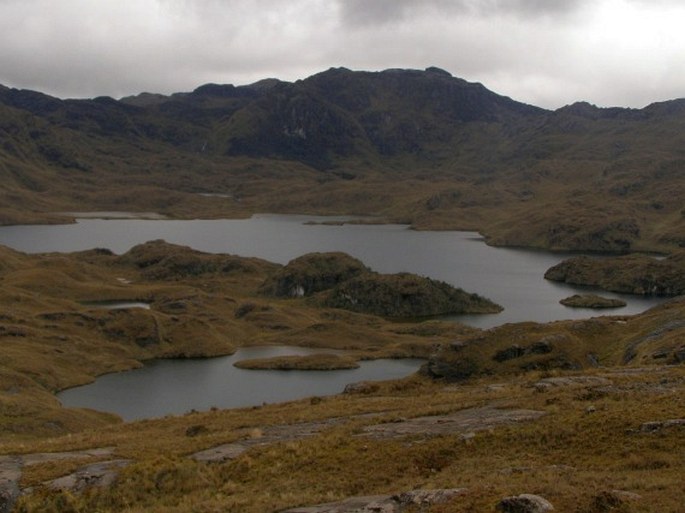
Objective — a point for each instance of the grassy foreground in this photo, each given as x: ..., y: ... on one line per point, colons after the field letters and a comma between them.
x: 588, y: 443
x: 607, y: 397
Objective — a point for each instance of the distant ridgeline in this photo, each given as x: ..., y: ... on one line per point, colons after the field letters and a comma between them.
x: 421, y: 147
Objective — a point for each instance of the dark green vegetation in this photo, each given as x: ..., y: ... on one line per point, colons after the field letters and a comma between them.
x: 592, y: 301
x: 406, y: 296
x: 312, y: 273
x: 340, y: 281
x: 420, y: 147
x: 631, y: 274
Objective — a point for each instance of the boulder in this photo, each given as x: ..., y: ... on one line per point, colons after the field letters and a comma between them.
x: 613, y: 500
x: 361, y: 387
x: 524, y: 503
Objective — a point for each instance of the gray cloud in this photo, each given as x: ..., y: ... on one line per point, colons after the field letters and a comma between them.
x: 360, y: 13
x: 545, y: 52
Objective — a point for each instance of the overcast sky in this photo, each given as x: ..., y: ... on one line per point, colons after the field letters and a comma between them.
x: 545, y: 52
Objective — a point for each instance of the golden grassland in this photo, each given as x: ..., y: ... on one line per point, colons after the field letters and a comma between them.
x: 543, y: 204
x: 568, y: 180
x: 53, y: 337
x: 588, y: 442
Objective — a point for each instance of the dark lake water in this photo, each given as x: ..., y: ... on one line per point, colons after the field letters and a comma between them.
x: 511, y: 277
x: 165, y: 387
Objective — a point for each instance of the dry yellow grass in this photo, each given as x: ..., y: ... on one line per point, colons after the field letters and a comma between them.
x: 589, y: 442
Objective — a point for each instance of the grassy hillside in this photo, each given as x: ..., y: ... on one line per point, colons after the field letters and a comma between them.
x: 56, y: 333
x: 420, y: 147
x: 586, y: 413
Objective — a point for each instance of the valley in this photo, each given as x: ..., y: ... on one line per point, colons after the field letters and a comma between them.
x: 583, y: 408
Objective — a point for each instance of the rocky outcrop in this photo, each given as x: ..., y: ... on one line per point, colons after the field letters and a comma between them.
x: 524, y: 503
x: 99, y: 475
x: 312, y: 273
x: 572, y: 381
x: 465, y: 421
x: 659, y: 425
x: 517, y: 351
x: 406, y: 295
x: 613, y: 500
x: 10, y: 473
x: 341, y: 281
x: 632, y: 274
x: 592, y: 301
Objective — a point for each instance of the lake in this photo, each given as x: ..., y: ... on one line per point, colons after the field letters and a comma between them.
x: 165, y: 387
x: 511, y: 277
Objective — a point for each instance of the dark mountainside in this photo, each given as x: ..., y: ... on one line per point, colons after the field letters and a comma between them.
x: 412, y: 146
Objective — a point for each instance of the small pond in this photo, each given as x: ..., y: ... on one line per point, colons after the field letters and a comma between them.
x: 174, y: 387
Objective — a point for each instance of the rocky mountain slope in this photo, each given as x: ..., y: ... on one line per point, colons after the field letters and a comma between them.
x: 421, y: 147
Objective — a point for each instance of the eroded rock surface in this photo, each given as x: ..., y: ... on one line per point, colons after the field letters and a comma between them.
x: 384, y: 503
x: 10, y: 473
x: 269, y: 435
x: 102, y: 474
x: 463, y: 421
x: 11, y: 470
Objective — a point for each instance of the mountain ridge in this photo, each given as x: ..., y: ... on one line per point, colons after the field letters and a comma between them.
x: 415, y: 146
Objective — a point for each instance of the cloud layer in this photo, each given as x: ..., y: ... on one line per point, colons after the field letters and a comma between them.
x: 544, y: 52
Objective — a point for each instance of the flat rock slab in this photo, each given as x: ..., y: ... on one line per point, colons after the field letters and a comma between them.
x: 101, y: 475
x: 10, y: 473
x: 368, y: 504
x: 463, y: 421
x: 658, y: 425
x: 384, y: 503
x: 269, y: 435
x: 570, y: 381
x: 11, y: 467
x: 468, y: 421
x: 46, y: 457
